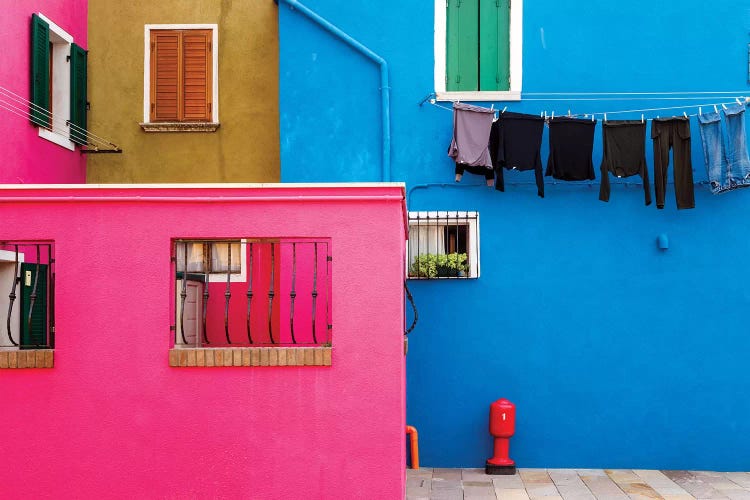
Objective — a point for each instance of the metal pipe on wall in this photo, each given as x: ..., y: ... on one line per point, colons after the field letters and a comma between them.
x: 385, y: 89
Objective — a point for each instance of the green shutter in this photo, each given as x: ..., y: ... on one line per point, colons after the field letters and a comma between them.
x: 40, y: 72
x: 494, y: 45
x: 462, y: 45
x: 33, y: 333
x: 78, y: 94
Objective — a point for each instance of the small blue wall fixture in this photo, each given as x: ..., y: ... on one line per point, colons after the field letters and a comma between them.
x: 616, y: 351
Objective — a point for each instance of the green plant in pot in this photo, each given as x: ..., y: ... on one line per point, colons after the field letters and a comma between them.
x: 428, y: 265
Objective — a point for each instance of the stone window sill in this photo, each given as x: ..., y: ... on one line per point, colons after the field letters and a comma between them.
x: 179, y: 127
x: 250, y: 356
x: 27, y: 358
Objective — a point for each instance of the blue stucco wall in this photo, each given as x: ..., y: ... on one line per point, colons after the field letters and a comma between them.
x: 615, y: 353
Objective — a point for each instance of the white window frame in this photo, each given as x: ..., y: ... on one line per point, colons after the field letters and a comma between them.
x: 59, y: 132
x: 446, y: 218
x: 516, y: 59
x: 221, y: 276
x: 147, y: 66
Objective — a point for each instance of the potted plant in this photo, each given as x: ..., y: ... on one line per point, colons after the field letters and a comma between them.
x: 430, y: 265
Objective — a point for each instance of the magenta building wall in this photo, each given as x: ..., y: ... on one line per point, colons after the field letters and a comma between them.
x: 26, y: 157
x: 113, y: 420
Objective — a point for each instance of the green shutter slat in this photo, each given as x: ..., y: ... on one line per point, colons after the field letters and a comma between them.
x: 39, y: 72
x: 37, y: 334
x: 462, y: 45
x: 78, y: 62
x: 494, y: 45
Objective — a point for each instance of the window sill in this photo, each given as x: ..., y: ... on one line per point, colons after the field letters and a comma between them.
x: 479, y: 96
x: 250, y: 356
x: 27, y: 358
x: 179, y: 127
x: 57, y: 138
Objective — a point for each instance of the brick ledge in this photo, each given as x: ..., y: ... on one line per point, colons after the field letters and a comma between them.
x: 27, y: 358
x: 250, y: 356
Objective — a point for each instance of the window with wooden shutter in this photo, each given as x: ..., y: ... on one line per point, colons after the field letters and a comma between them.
x: 477, y: 45
x: 181, y: 76
x: 78, y: 65
x: 40, y: 72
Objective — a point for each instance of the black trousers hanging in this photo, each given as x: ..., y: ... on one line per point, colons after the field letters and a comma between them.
x: 673, y: 133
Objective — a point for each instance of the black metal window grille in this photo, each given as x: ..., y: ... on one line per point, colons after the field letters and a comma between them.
x: 262, y: 292
x: 443, y: 244
x: 27, y: 294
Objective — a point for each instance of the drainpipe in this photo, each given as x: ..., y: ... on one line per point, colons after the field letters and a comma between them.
x: 385, y: 89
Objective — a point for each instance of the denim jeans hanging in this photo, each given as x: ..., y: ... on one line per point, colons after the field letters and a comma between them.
x: 727, y: 162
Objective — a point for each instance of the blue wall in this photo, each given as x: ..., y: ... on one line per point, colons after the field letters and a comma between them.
x: 615, y: 353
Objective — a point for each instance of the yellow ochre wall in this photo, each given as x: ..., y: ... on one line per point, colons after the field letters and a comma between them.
x: 245, y: 148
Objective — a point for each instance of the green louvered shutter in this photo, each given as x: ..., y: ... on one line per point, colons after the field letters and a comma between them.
x: 78, y: 94
x: 462, y: 45
x: 40, y: 72
x: 494, y: 45
x: 33, y: 333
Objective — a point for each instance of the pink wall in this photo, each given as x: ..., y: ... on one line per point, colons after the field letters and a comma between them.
x: 113, y: 420
x: 26, y: 157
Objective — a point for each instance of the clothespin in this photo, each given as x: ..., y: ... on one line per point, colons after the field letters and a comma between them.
x: 593, y: 117
x: 738, y: 101
x: 503, y: 111
x: 541, y: 115
x: 700, y: 111
x: 716, y: 110
x: 643, y: 120
x: 605, y: 117
x: 568, y: 113
x: 723, y: 105
x: 553, y: 116
x: 686, y: 116
x: 492, y: 107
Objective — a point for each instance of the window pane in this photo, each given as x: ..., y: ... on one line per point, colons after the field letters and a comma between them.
x: 220, y: 257
x: 194, y: 257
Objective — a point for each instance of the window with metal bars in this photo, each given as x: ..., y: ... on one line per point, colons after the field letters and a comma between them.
x: 251, y: 292
x: 27, y: 295
x: 443, y: 244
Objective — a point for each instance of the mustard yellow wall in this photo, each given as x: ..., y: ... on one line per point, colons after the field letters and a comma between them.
x: 245, y: 148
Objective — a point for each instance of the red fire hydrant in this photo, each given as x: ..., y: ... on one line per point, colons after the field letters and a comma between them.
x: 502, y: 427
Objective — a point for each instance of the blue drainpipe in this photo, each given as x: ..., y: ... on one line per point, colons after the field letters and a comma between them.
x: 385, y: 89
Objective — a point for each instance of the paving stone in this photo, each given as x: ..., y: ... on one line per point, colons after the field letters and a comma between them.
x: 603, y: 486
x: 575, y: 491
x: 741, y: 478
x: 446, y: 473
x: 590, y: 472
x: 511, y: 494
x: 476, y: 475
x: 535, y: 476
x: 417, y: 487
x: 542, y: 490
x: 423, y: 472
x: 623, y: 476
x: 507, y: 482
x: 476, y: 489
x: 684, y: 496
x: 564, y: 477
x: 693, y: 484
x: 445, y: 484
x: 741, y: 494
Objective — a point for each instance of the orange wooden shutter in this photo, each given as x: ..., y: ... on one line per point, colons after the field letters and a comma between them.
x: 165, y: 75
x: 197, y: 75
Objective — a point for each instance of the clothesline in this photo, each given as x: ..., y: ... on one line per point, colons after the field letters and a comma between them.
x: 739, y: 99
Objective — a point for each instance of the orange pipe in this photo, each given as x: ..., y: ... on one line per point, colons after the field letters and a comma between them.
x: 414, y: 448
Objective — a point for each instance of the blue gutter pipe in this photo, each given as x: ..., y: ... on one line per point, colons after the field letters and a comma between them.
x: 385, y: 89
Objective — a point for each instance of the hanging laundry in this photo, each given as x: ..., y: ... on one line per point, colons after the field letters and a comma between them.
x: 515, y: 143
x: 727, y: 163
x: 471, y: 134
x: 673, y: 133
x: 624, y: 145
x: 571, y: 143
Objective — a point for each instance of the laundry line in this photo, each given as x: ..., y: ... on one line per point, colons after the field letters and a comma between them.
x: 20, y: 106
x: 592, y: 115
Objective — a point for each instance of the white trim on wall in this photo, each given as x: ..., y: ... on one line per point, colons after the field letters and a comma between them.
x: 60, y: 98
x: 516, y: 59
x: 147, y: 64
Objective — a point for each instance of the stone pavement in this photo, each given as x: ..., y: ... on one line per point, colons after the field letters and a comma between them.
x: 575, y: 484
